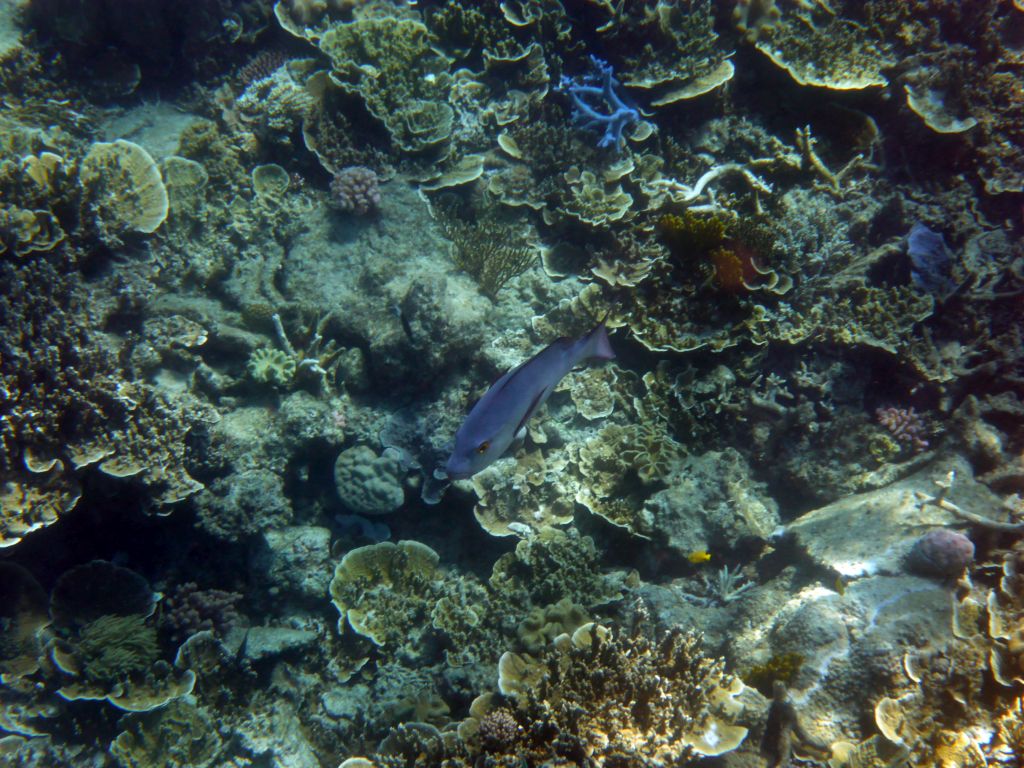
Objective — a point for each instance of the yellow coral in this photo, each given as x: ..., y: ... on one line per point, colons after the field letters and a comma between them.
x: 122, y: 189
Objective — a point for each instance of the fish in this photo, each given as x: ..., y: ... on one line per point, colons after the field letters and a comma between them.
x: 499, y: 417
x: 699, y: 556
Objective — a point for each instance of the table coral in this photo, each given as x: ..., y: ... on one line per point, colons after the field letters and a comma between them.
x: 675, y: 53
x: 122, y: 190
x: 821, y: 48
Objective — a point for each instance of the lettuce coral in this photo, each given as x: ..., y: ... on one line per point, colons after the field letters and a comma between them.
x: 401, y: 77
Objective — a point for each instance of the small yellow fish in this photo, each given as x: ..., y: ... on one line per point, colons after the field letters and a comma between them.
x: 840, y: 585
x: 699, y: 557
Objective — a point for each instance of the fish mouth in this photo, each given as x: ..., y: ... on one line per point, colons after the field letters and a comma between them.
x: 454, y: 474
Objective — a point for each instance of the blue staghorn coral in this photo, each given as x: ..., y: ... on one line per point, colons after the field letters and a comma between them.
x: 597, y: 103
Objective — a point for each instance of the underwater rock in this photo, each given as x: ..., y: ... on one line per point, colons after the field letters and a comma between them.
x: 244, y: 503
x: 260, y: 643
x: 294, y: 561
x: 306, y: 418
x: 393, y: 301
x: 942, y: 553
x: 275, y: 736
x: 834, y: 534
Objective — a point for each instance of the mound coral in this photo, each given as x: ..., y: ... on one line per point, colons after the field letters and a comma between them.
x: 369, y: 484
x: 355, y: 190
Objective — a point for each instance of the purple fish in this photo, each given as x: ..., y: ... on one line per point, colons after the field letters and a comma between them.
x: 500, y: 416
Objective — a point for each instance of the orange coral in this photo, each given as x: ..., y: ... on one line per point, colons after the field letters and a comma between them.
x: 729, y: 269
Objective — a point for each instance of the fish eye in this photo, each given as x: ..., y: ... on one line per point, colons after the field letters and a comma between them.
x: 482, y: 448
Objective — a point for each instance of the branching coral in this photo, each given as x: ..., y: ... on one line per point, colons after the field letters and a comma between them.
x: 68, y: 404
x: 626, y: 699
x: 489, y: 250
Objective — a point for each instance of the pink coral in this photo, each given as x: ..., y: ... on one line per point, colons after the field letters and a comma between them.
x: 941, y: 553
x: 355, y: 189
x: 906, y: 426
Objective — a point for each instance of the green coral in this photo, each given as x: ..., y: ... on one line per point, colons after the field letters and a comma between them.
x: 782, y: 666
x: 271, y: 366
x: 115, y: 647
x: 692, y: 235
x: 402, y: 79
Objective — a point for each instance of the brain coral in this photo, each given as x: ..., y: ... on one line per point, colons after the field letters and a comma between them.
x: 369, y: 484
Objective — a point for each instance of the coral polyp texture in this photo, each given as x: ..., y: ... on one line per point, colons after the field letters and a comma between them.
x: 267, y: 267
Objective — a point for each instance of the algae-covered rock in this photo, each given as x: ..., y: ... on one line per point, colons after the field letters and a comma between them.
x: 262, y: 643
x: 712, y: 503
x: 896, y: 516
x: 244, y: 503
x: 294, y: 560
x: 369, y: 484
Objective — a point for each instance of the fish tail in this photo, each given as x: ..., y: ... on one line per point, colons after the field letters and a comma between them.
x: 597, y: 344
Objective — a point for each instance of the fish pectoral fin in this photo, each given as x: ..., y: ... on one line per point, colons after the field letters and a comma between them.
x: 516, y: 444
x: 534, y: 404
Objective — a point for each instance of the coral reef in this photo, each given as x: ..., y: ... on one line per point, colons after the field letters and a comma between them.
x: 258, y: 258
